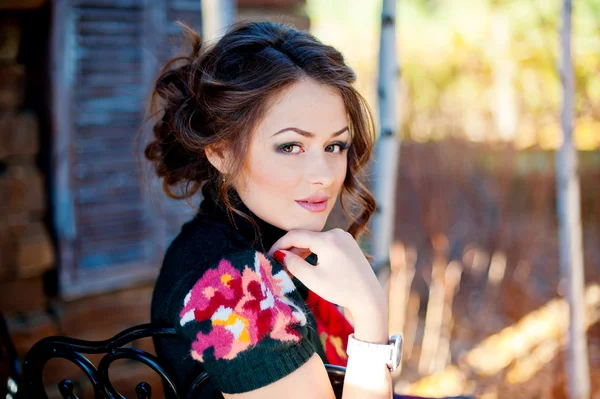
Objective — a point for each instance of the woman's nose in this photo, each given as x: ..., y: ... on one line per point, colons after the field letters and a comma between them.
x: 318, y: 171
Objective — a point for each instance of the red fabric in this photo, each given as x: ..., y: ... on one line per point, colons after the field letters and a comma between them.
x: 333, y: 328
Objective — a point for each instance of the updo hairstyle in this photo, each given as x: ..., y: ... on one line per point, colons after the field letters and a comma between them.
x: 216, y: 95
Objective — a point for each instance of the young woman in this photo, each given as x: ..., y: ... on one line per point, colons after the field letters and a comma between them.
x: 267, y: 125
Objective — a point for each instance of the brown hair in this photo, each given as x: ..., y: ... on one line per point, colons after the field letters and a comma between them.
x: 216, y: 95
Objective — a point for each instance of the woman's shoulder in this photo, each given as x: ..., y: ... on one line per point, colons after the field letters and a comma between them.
x: 200, y: 246
x: 203, y: 240
x: 241, y: 314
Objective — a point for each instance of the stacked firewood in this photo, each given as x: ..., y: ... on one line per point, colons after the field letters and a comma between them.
x: 26, y: 250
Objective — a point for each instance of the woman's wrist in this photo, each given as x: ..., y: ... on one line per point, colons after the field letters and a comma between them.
x: 371, y: 321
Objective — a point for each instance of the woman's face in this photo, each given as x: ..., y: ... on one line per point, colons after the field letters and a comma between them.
x: 297, y: 159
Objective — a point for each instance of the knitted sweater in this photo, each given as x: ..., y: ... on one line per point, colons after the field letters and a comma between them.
x: 238, y: 314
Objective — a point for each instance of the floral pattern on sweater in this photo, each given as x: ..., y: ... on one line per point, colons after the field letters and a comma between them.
x: 243, y: 307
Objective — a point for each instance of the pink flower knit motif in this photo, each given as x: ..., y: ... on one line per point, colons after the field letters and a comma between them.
x: 242, y: 307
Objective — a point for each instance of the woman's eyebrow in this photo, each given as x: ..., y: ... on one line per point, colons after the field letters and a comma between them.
x: 309, y: 134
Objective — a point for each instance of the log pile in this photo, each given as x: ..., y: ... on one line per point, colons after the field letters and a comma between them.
x: 26, y: 250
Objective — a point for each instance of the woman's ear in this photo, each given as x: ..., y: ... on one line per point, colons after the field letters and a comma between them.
x: 217, y: 158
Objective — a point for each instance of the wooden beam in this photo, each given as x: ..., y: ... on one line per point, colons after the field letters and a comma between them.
x: 21, y: 4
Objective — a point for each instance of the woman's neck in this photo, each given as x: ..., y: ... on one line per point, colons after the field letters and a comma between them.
x: 260, y: 233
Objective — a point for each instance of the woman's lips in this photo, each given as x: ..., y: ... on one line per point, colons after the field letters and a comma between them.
x: 313, y: 206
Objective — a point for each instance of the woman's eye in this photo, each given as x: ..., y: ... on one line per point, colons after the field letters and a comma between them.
x: 340, y: 147
x: 290, y: 148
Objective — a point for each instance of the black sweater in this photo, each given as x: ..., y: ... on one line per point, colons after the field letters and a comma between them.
x: 238, y: 315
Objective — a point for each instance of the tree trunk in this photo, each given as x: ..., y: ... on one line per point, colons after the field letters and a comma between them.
x: 385, y: 165
x: 569, y: 219
x: 217, y: 17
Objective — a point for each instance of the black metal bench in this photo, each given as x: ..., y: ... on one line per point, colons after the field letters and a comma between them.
x: 114, y: 349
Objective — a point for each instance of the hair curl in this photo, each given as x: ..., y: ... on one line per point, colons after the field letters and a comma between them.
x: 216, y: 95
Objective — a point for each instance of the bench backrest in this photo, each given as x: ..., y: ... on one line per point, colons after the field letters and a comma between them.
x: 114, y: 349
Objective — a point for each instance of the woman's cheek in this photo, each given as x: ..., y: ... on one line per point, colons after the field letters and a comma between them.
x: 341, y: 169
x: 276, y: 175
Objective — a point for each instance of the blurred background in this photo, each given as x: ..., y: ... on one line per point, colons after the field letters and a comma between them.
x: 474, y: 281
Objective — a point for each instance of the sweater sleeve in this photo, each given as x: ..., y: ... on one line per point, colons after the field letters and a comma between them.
x: 245, y: 321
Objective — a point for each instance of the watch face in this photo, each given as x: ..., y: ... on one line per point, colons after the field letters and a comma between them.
x: 396, y: 351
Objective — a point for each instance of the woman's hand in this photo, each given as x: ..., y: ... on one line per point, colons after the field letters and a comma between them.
x: 342, y: 275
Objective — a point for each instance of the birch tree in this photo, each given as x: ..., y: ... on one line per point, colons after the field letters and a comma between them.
x: 569, y: 219
x: 217, y: 17
x: 387, y: 147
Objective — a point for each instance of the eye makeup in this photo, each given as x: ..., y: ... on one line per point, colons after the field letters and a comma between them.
x: 343, y: 145
x: 282, y: 148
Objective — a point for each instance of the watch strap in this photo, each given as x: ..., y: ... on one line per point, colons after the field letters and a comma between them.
x: 389, y: 353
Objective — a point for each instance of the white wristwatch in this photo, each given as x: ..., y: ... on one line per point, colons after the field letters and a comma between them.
x: 391, y: 353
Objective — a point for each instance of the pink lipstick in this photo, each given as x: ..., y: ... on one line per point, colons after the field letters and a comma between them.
x: 315, y: 203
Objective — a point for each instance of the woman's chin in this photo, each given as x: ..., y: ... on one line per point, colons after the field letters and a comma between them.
x: 300, y: 222
x: 308, y: 225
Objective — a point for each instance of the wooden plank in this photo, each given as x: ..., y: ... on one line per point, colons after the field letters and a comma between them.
x: 108, y: 79
x: 92, y: 54
x: 107, y: 14
x: 107, y: 28
x: 118, y: 189
x: 121, y: 4
x: 185, y: 5
x: 122, y: 129
x: 123, y: 193
x: 102, y: 92
x: 114, y: 105
x: 106, y: 245
x: 120, y: 145
x: 116, y: 178
x: 88, y: 56
x: 107, y: 119
x: 110, y: 230
x: 107, y: 210
x: 128, y: 230
x: 132, y: 226
x: 112, y: 256
x: 62, y: 74
x: 84, y: 170
x: 109, y: 181
x: 104, y: 67
x: 119, y: 155
x: 108, y: 42
x: 113, y: 213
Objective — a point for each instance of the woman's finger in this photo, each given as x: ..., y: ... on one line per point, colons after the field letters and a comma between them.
x: 303, y: 253
x: 300, y: 268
